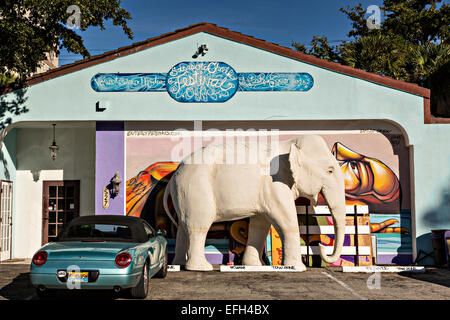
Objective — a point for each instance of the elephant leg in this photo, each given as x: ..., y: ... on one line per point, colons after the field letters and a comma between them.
x: 180, y: 247
x: 196, y: 250
x: 283, y: 215
x: 257, y: 232
x: 197, y: 211
x: 290, y: 239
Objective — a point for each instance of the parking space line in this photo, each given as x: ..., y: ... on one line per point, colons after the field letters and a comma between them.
x: 345, y: 286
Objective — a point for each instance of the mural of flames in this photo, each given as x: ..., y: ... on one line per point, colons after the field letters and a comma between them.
x: 367, y: 180
x: 139, y: 187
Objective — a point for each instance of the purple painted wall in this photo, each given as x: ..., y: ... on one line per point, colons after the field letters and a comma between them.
x: 110, y: 157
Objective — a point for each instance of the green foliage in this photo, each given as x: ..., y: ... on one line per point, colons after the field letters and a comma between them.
x: 6, y: 80
x: 359, y: 22
x: 378, y: 54
x: 320, y: 48
x: 30, y: 28
x: 411, y: 45
x: 417, y: 21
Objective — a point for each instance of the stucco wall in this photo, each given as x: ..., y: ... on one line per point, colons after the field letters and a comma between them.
x: 75, y: 161
x: 431, y: 183
x: 334, y: 96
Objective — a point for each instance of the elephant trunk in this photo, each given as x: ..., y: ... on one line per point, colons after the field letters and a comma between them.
x: 336, y: 203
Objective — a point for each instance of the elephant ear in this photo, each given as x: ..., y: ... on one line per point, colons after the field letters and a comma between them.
x: 294, y: 153
x: 294, y: 163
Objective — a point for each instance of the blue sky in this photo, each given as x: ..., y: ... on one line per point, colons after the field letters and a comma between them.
x: 279, y: 21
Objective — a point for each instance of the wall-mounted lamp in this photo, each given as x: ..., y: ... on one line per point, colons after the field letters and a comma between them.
x: 201, y: 50
x: 54, y: 147
x: 115, y: 184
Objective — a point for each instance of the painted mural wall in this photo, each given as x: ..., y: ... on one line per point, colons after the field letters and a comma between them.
x: 375, y: 163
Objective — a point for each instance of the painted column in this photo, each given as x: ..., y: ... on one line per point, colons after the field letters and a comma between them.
x: 110, y: 151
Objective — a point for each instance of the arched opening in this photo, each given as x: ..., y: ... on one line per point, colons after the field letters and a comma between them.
x: 374, y: 155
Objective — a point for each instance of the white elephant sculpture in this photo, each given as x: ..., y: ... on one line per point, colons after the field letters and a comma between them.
x: 214, y: 191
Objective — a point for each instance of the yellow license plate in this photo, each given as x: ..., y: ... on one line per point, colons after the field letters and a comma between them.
x: 78, y: 277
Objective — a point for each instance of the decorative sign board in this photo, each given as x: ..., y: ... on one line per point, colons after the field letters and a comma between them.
x: 129, y: 82
x: 105, y: 201
x: 372, y: 269
x: 202, y: 82
x: 211, y: 81
x: 275, y: 81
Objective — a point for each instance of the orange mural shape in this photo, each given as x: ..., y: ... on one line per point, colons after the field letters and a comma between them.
x: 318, y: 238
x: 376, y: 227
x: 239, y: 231
x: 138, y: 188
x: 402, y: 230
x: 276, y: 247
x: 383, y: 227
x: 367, y: 180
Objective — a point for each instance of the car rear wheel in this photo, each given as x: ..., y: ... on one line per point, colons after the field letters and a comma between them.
x: 162, y: 273
x: 141, y: 290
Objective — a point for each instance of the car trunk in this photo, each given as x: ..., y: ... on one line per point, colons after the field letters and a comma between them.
x: 86, y: 250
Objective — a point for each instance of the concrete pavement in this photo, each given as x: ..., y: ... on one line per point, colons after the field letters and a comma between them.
x: 314, y: 284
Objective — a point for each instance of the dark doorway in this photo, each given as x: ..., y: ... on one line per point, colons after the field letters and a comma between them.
x: 61, y: 203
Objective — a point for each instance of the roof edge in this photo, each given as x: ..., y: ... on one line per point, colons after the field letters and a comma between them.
x: 237, y: 37
x: 428, y: 117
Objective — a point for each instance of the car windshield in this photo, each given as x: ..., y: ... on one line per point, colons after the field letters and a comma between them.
x: 97, y: 232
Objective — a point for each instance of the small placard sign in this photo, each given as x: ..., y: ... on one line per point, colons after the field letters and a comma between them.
x: 260, y: 269
x: 173, y: 268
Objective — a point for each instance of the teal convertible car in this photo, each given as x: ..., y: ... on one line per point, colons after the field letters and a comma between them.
x: 101, y: 252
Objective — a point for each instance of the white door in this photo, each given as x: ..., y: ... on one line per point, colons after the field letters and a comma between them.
x: 5, y: 220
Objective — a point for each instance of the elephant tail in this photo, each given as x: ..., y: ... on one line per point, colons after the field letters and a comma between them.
x: 166, y: 206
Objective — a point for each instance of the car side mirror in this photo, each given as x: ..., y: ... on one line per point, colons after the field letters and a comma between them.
x: 162, y: 232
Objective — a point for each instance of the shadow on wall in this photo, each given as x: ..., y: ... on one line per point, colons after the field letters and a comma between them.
x: 6, y: 173
x: 8, y: 154
x: 425, y: 255
x: 15, y: 106
x: 36, y: 175
x: 436, y: 218
x: 440, y: 214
